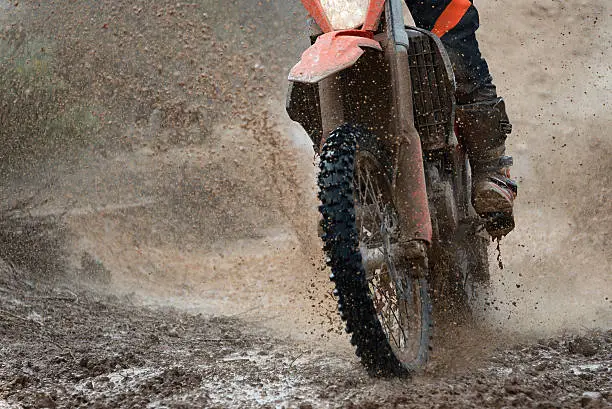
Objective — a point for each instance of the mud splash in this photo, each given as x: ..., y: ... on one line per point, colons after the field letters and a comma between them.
x: 102, y: 351
x: 199, y: 195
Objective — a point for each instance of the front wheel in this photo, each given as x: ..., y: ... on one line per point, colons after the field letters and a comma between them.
x: 385, y: 304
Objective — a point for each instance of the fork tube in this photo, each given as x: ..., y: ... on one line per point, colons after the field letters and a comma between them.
x: 332, y: 105
x: 410, y: 191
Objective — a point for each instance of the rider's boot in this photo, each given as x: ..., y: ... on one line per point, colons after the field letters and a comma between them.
x: 484, y: 126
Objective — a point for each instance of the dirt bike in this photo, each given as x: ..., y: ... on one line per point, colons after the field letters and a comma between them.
x: 377, y: 100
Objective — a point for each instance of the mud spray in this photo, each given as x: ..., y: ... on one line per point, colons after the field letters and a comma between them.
x: 194, y: 190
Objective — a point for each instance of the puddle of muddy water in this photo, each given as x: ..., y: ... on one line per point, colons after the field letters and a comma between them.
x: 284, y: 388
x: 123, y: 380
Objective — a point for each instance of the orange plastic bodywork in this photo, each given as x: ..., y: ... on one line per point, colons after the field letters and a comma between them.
x: 316, y: 11
x: 374, y: 12
x: 335, y: 50
x: 331, y: 53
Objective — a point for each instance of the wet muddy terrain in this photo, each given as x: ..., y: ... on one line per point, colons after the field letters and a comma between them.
x: 80, y: 349
x: 158, y: 216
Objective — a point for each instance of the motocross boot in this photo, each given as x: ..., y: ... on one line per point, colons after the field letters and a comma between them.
x: 484, y: 125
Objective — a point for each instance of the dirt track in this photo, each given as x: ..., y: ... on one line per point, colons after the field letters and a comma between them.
x: 190, y: 201
x: 67, y: 349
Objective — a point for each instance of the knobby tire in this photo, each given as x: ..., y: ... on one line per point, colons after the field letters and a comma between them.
x: 341, y: 244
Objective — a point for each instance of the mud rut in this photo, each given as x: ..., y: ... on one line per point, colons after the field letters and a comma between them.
x: 170, y: 258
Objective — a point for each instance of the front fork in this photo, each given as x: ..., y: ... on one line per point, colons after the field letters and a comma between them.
x: 409, y: 188
x: 332, y: 105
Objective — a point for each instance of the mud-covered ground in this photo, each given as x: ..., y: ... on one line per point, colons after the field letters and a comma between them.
x: 80, y: 349
x: 158, y: 242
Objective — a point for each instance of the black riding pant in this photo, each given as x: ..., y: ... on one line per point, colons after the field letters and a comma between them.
x: 456, y: 22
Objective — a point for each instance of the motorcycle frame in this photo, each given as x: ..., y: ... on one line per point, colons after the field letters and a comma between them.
x: 383, y: 105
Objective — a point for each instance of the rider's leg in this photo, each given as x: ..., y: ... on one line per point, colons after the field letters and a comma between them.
x: 481, y: 115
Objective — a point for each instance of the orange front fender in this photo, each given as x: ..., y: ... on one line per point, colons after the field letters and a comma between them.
x: 331, y: 53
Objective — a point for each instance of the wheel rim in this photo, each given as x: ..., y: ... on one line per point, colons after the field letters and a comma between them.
x: 395, y: 294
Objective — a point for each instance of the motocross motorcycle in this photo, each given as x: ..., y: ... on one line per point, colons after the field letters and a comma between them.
x: 399, y: 231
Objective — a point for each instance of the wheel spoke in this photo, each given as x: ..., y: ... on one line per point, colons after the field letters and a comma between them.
x: 397, y: 306
x: 397, y: 320
x: 369, y: 197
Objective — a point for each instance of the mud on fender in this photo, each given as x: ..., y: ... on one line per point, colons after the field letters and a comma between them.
x: 303, y: 107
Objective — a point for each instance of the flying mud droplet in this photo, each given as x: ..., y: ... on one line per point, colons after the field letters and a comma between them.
x: 500, y: 264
